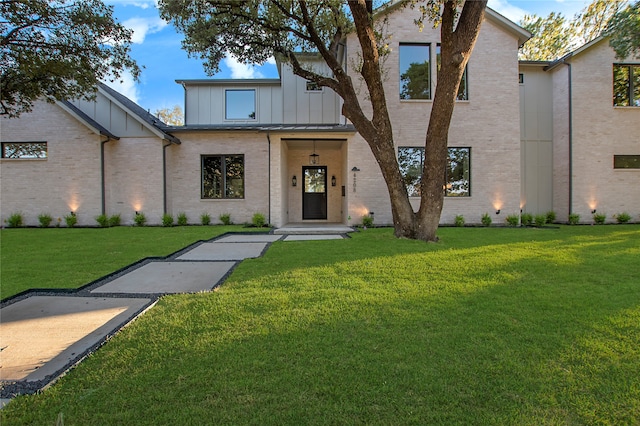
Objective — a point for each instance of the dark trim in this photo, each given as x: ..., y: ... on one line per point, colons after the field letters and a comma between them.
x: 164, y: 177
x: 570, y: 95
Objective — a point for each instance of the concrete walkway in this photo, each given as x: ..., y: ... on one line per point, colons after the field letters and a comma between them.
x: 44, y: 334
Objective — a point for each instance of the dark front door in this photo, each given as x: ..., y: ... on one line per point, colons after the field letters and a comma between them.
x: 314, y: 195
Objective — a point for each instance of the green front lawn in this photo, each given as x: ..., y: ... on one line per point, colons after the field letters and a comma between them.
x: 489, y: 326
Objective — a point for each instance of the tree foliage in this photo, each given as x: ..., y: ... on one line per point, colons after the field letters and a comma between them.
x: 58, y: 50
x: 624, y: 31
x: 254, y: 30
x: 171, y: 116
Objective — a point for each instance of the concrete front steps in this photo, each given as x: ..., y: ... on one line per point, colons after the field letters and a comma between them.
x: 313, y: 229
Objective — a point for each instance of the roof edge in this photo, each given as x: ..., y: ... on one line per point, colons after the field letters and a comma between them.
x: 86, y: 120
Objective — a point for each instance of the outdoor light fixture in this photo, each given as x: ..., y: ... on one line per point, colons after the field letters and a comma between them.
x: 73, y: 213
x: 314, y: 158
x: 355, y: 169
x: 137, y: 213
x: 294, y: 181
x: 593, y: 211
x: 333, y: 180
x: 498, y: 211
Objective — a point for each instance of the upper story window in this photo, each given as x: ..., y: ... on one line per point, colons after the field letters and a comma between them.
x: 240, y: 104
x: 463, y: 89
x: 415, y: 71
x: 312, y: 86
x: 24, y: 150
x: 626, y: 85
x: 458, y: 170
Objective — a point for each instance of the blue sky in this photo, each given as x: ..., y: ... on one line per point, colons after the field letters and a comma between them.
x: 156, y: 46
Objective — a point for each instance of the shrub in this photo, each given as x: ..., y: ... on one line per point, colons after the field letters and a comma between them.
x: 486, y: 219
x: 102, y: 220
x: 623, y: 217
x: 513, y: 220
x: 71, y: 220
x: 205, y: 219
x: 15, y: 220
x: 367, y: 221
x: 574, y: 219
x: 139, y: 219
x: 225, y: 218
x: 551, y: 216
x: 599, y: 218
x: 459, y: 221
x: 114, y: 220
x: 540, y: 220
x: 527, y: 219
x: 45, y: 220
x: 258, y: 220
x: 182, y: 219
x: 167, y: 220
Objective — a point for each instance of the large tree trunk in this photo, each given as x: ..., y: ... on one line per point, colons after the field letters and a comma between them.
x: 456, y: 48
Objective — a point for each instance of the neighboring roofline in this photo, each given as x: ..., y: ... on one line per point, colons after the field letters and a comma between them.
x: 323, y: 128
x: 576, y: 52
x: 86, y: 120
x: 229, y: 81
x: 148, y: 120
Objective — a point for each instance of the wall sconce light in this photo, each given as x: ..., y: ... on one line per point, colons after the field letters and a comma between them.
x: 137, y: 213
x: 498, y: 211
x: 333, y: 180
x: 73, y: 213
x: 294, y: 181
x: 371, y: 214
x: 593, y: 211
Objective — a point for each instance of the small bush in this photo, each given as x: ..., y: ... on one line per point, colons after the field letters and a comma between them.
x: 623, y: 217
x: 574, y: 219
x: 205, y: 219
x: 551, y: 216
x: 225, y: 218
x: 367, y: 221
x: 45, y: 220
x: 459, y: 221
x: 167, y: 220
x: 486, y: 219
x: 139, y: 219
x: 540, y: 220
x: 513, y: 220
x: 115, y: 220
x: 15, y: 220
x: 71, y: 220
x: 182, y: 219
x: 527, y: 219
x: 599, y: 218
x: 258, y: 220
x: 103, y: 220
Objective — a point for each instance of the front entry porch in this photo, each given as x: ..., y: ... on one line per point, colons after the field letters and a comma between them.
x: 313, y: 229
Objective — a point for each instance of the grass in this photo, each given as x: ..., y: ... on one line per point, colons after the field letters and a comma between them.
x: 490, y: 326
x: 70, y: 258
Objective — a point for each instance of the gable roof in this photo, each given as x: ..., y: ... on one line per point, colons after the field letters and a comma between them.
x: 148, y: 120
x: 576, y: 52
x: 86, y: 120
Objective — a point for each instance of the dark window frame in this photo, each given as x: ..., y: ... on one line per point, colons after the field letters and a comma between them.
x: 414, y: 180
x: 251, y: 116
x: 630, y: 96
x: 224, y: 188
x: 429, y: 95
x: 313, y: 87
x: 464, y: 82
x: 626, y: 162
x: 18, y: 155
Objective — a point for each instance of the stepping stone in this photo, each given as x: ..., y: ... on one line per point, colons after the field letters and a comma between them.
x: 224, y: 251
x: 42, y: 335
x: 297, y: 237
x: 169, y: 277
x: 242, y: 238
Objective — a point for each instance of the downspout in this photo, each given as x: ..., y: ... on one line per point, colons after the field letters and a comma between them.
x: 164, y: 177
x: 269, y: 176
x: 102, y: 175
x: 570, y: 140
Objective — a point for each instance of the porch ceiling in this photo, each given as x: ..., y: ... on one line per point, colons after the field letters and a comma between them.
x: 320, y: 143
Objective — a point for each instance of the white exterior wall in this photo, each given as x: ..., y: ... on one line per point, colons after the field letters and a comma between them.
x: 67, y: 180
x: 601, y: 131
x: 488, y: 123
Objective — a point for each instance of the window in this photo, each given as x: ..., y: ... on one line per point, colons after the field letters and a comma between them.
x: 521, y: 78
x: 415, y: 71
x: 240, y: 104
x: 222, y: 176
x: 626, y: 161
x: 27, y: 150
x: 463, y: 90
x: 312, y: 86
x: 626, y: 85
x: 458, y: 171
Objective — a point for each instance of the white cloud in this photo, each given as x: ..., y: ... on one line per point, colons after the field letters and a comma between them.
x: 240, y: 70
x: 503, y: 7
x: 125, y: 85
x: 143, y: 26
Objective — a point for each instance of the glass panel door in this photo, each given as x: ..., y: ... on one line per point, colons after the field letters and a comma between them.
x: 314, y: 196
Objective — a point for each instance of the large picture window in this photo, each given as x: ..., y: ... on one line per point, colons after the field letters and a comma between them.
x: 24, y: 150
x: 626, y: 85
x: 222, y: 176
x: 463, y: 89
x: 240, y: 104
x: 415, y: 71
x: 458, y: 171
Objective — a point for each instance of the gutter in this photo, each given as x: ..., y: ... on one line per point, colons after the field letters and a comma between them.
x: 102, y: 175
x: 164, y: 177
x: 269, y: 177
